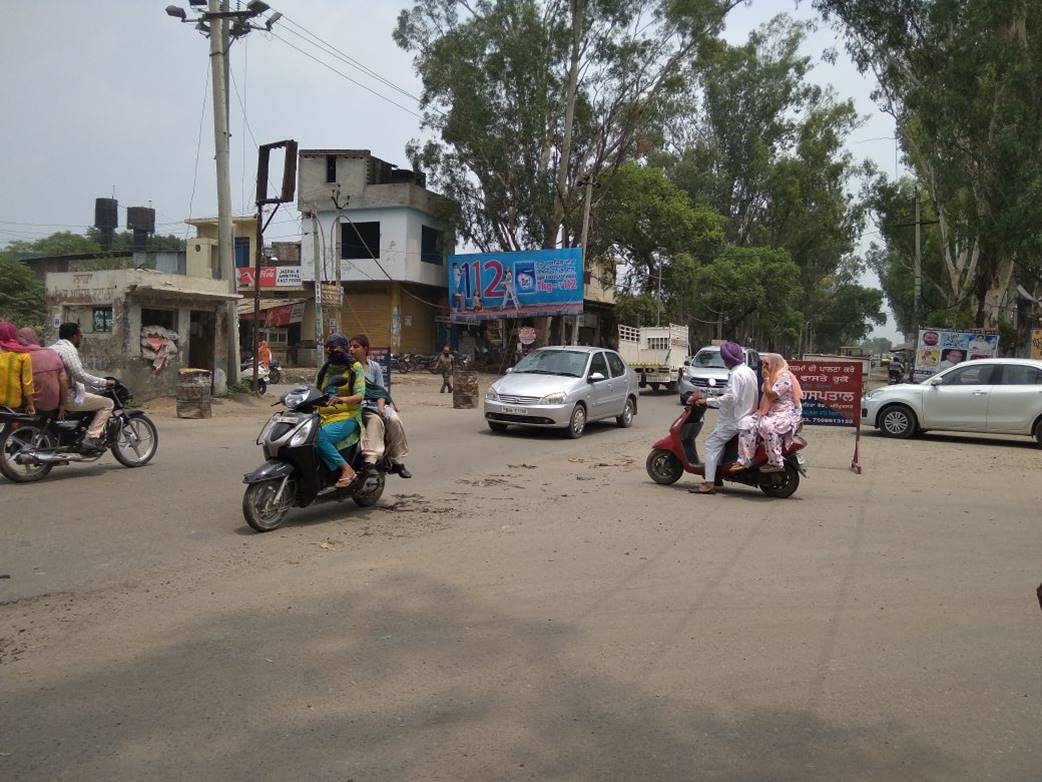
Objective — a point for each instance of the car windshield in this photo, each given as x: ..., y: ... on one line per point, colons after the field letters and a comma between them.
x: 708, y: 358
x: 570, y: 363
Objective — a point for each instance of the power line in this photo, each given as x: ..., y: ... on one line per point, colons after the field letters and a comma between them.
x: 343, y: 75
x: 198, y: 146
x: 345, y: 58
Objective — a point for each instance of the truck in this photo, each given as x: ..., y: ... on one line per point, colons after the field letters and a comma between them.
x: 655, y: 353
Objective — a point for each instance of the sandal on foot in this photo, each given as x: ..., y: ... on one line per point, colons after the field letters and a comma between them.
x: 699, y: 490
x: 346, y: 481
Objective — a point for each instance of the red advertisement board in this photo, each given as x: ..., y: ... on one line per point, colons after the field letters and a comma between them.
x: 831, y: 391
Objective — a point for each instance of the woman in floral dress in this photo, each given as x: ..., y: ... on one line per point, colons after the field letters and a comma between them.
x: 780, y: 412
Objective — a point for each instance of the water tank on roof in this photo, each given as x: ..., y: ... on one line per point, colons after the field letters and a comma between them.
x: 141, y: 218
x: 106, y: 213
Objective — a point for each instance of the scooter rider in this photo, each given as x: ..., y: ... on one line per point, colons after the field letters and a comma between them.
x: 737, y: 406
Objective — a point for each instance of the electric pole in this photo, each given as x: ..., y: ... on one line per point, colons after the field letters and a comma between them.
x: 319, y: 279
x: 585, y: 236
x: 214, y: 23
x: 918, y: 266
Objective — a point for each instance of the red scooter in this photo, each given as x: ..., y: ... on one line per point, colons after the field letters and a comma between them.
x: 676, y: 454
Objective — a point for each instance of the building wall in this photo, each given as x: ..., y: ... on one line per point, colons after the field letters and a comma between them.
x: 73, y: 297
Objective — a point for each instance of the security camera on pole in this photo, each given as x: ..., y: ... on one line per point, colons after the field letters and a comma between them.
x: 222, y: 26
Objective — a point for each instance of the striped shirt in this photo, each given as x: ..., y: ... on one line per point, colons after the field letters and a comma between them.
x: 74, y: 368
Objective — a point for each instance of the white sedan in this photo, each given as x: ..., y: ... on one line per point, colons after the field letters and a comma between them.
x: 1000, y: 396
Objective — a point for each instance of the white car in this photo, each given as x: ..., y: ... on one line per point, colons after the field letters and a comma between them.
x: 1001, y: 396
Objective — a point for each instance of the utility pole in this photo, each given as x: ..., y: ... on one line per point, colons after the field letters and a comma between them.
x: 658, y: 316
x: 334, y: 234
x: 225, y: 236
x: 585, y: 236
x: 918, y: 277
x: 319, y: 326
x: 214, y: 23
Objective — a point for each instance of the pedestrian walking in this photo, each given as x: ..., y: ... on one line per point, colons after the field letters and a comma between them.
x: 446, y: 363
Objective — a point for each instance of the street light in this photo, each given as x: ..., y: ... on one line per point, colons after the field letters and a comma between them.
x: 178, y: 13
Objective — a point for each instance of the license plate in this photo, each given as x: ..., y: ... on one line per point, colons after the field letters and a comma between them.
x: 515, y: 410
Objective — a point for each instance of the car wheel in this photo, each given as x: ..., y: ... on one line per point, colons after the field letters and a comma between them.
x: 496, y: 426
x: 626, y: 419
x: 577, y: 423
x: 1038, y: 431
x: 898, y: 421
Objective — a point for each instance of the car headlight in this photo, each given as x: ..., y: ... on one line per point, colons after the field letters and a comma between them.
x: 491, y: 395
x: 871, y: 395
x: 303, y: 432
x: 556, y: 398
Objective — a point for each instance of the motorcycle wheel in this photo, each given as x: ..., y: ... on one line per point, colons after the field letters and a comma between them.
x: 262, y: 386
x: 13, y: 441
x: 663, y: 467
x: 136, y: 442
x: 784, y: 488
x: 366, y: 498
x: 259, y: 507
x: 276, y: 376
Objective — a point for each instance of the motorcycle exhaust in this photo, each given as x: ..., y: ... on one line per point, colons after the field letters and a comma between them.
x: 50, y: 457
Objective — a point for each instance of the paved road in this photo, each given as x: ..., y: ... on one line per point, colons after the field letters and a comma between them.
x: 565, y: 620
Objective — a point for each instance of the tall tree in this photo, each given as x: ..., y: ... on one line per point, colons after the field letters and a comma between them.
x: 963, y: 80
x: 529, y: 97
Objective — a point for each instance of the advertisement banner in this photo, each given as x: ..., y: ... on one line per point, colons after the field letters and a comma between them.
x: 1036, y: 344
x: 520, y: 284
x: 939, y: 349
x: 271, y: 277
x: 831, y: 391
x: 382, y: 356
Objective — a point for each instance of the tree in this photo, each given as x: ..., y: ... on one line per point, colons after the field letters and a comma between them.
x: 962, y: 79
x: 21, y: 294
x: 528, y: 100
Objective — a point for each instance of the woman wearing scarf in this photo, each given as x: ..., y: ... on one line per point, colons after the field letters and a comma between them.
x: 16, y: 371
x: 344, y: 380
x: 779, y: 414
x: 50, y: 382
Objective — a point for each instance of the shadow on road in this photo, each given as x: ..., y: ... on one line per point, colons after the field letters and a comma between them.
x: 411, y: 679
x: 954, y: 438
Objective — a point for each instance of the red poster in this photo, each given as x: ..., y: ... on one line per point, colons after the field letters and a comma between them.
x: 831, y: 391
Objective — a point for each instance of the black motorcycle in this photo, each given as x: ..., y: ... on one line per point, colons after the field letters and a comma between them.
x: 294, y: 475
x: 32, y: 445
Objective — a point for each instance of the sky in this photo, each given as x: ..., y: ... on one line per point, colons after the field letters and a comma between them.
x: 112, y: 96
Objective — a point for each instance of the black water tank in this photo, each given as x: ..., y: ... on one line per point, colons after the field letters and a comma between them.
x: 106, y: 213
x: 141, y: 218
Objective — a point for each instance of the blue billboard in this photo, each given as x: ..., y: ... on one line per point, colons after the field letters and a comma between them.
x: 526, y: 283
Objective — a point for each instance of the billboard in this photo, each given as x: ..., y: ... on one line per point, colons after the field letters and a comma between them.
x: 939, y: 349
x: 831, y: 391
x: 1036, y: 344
x: 271, y: 276
x: 521, y: 284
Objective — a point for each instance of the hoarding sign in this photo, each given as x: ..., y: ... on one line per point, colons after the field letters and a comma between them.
x: 271, y: 277
x: 939, y: 349
x: 520, y: 284
x: 831, y: 391
x: 382, y: 356
x: 1036, y: 344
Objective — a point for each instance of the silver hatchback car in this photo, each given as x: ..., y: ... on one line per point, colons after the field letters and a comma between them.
x: 565, y: 387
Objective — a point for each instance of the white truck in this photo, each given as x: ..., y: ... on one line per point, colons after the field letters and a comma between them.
x: 655, y: 353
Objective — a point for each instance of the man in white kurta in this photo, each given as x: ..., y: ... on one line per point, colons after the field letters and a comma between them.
x: 736, y: 404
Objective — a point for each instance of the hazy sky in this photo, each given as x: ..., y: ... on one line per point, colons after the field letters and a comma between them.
x: 109, y: 94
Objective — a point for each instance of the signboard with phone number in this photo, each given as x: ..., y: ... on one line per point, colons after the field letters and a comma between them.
x: 526, y: 283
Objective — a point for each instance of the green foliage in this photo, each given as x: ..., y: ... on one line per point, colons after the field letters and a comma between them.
x: 962, y: 79
x: 21, y: 294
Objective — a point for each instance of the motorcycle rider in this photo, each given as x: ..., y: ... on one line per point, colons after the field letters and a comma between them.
x: 736, y: 404
x: 69, y: 340
x: 341, y: 419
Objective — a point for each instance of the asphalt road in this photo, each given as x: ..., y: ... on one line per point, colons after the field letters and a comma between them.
x: 527, y: 607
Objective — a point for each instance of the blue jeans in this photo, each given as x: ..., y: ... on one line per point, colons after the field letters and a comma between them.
x: 328, y: 436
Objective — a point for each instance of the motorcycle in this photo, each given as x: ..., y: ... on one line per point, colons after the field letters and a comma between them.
x: 272, y: 373
x: 676, y: 453
x: 32, y: 445
x: 895, y: 374
x: 294, y: 475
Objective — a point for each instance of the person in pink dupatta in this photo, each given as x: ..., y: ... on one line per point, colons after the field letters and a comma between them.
x: 780, y: 412
x: 49, y: 378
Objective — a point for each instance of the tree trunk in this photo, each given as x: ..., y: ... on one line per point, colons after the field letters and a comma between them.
x: 571, y: 87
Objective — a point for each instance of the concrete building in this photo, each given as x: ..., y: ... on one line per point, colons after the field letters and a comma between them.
x: 142, y: 326
x: 390, y: 243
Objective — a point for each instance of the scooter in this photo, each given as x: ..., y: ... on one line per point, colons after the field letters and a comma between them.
x: 294, y: 475
x: 676, y: 453
x: 895, y: 374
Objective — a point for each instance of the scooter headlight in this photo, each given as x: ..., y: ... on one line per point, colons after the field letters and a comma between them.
x: 303, y: 432
x: 263, y: 436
